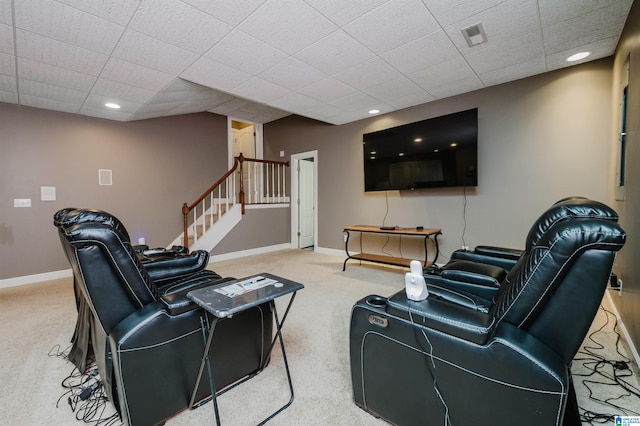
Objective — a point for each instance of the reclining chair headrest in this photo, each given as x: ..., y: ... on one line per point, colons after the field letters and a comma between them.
x: 568, y: 208
x: 58, y: 217
x: 79, y: 216
x: 539, y: 272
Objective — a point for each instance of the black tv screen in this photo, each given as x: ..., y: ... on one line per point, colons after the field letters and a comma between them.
x: 434, y: 153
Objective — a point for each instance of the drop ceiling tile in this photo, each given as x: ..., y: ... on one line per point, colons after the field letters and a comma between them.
x: 554, y: 12
x: 138, y: 116
x: 500, y: 23
x: 356, y: 102
x: 427, y: 51
x: 323, y: 112
x: 453, y: 88
x: 158, y: 108
x: 117, y: 11
x: 589, y: 28
x: 44, y: 103
x: 600, y: 49
x: 8, y: 97
x: 260, y: 90
x: 179, y: 24
x: 121, y: 91
x: 342, y: 12
x: 373, y: 72
x: 328, y: 89
x: 295, y: 101
x: 231, y: 12
x: 98, y: 112
x: 443, y: 74
x: 49, y: 91
x: 214, y: 74
x: 292, y: 74
x: 335, y: 52
x: 8, y: 84
x: 491, y: 56
x: 403, y: 21
x: 448, y: 12
x: 6, y: 39
x: 143, y: 50
x: 410, y: 100
x: 135, y: 75
x: 244, y: 52
x: 347, y: 117
x: 6, y: 14
x: 7, y: 65
x: 395, y: 88
x: 64, y: 55
x: 67, y: 24
x: 299, y: 27
x: 53, y: 75
x: 513, y: 72
x: 96, y: 101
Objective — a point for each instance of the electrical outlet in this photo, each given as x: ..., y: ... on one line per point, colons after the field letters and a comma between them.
x: 465, y: 248
x: 620, y: 287
x: 344, y: 236
x: 22, y: 202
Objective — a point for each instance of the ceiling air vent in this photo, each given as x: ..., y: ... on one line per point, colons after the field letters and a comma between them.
x: 474, y: 35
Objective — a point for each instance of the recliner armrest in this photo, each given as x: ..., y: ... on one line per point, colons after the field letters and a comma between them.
x: 443, y: 316
x: 473, y: 273
x: 174, y: 296
x: 502, y: 252
x: 168, y: 265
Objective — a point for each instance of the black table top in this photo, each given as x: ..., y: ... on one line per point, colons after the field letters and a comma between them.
x: 230, y: 297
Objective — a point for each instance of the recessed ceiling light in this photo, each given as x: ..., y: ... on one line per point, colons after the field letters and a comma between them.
x: 578, y: 56
x: 374, y: 111
x: 401, y: 154
x: 453, y: 144
x: 112, y: 105
x: 417, y: 140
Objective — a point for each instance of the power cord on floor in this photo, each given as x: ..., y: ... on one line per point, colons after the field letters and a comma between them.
x: 603, y: 372
x: 85, y: 393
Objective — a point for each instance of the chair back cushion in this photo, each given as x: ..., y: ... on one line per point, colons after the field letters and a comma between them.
x: 560, y: 280
x: 94, y: 215
x: 113, y: 279
x: 568, y: 208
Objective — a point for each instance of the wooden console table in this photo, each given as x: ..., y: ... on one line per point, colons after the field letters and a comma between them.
x: 390, y: 260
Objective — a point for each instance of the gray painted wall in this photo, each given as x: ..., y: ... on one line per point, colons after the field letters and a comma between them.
x: 540, y: 139
x: 157, y: 165
x: 627, y: 266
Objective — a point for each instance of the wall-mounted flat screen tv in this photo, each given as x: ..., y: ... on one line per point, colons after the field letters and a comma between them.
x: 438, y: 152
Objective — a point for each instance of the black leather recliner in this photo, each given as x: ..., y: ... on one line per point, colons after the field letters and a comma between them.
x: 505, y: 363
x: 148, y: 339
x: 504, y: 257
x: 475, y: 276
x: 162, y: 265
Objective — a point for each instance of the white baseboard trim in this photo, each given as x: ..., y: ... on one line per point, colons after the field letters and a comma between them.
x: 34, y: 279
x: 625, y: 333
x: 250, y: 252
x: 333, y: 252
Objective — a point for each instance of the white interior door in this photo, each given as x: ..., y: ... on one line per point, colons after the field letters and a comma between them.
x: 306, y: 202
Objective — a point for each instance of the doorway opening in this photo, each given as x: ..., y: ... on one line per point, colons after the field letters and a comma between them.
x: 243, y: 137
x: 304, y: 200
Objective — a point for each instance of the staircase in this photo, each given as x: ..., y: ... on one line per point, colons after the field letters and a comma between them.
x: 219, y: 209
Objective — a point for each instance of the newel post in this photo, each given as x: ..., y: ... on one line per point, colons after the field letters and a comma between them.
x: 185, y: 212
x: 241, y: 194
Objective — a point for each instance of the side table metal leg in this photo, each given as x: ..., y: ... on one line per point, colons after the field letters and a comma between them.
x: 207, y: 330
x: 278, y: 337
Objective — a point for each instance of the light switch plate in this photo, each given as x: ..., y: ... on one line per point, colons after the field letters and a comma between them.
x: 22, y: 202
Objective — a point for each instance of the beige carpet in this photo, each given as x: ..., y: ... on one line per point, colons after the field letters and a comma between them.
x: 36, y: 318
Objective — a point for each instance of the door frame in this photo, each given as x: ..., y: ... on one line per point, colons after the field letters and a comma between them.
x: 259, y: 142
x: 295, y: 159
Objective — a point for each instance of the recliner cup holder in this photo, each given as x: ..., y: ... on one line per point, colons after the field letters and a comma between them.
x: 376, y: 301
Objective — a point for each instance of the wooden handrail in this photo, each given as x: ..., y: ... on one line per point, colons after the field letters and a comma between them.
x: 237, y: 163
